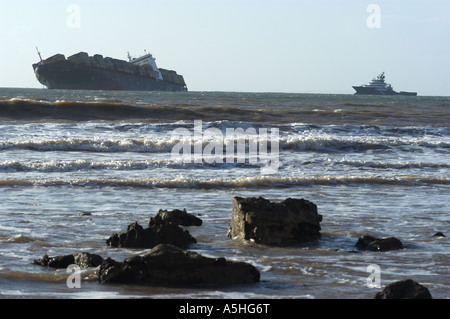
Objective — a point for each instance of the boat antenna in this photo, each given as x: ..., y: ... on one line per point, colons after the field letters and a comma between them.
x: 39, y: 53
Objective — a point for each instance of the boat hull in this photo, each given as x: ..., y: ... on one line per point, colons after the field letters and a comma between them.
x: 363, y: 90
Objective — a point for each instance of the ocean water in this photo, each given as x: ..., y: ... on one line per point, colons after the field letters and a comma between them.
x: 78, y: 166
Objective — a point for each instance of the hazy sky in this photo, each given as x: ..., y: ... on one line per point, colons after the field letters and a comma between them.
x: 242, y: 45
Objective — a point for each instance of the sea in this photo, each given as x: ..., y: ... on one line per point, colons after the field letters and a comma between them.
x: 79, y: 166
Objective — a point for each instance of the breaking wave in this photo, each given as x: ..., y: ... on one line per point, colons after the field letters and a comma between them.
x: 61, y: 166
x: 225, y: 183
x: 144, y: 145
x: 90, y: 165
x: 92, y: 145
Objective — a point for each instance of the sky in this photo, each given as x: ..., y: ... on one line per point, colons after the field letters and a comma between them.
x: 295, y: 46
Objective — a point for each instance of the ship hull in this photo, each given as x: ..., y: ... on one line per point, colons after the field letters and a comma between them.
x: 72, y: 76
x: 371, y: 91
x: 407, y: 93
x: 362, y: 90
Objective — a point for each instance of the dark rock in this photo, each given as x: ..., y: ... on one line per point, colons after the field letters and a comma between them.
x: 84, y: 260
x: 159, y: 233
x: 110, y: 271
x: 55, y: 262
x: 85, y: 214
x: 171, y: 266
x: 162, y: 229
x: 439, y: 234
x: 378, y: 244
x: 291, y: 221
x: 405, y: 289
x: 134, y: 236
x: 177, y: 217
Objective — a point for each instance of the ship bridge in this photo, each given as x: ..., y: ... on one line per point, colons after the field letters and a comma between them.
x: 147, y: 59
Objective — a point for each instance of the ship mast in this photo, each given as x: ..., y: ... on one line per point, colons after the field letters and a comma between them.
x: 39, y: 53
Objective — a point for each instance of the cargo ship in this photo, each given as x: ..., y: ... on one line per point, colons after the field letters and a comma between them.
x: 83, y: 72
x: 379, y: 87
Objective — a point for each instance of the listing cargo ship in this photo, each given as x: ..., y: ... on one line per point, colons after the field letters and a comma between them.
x: 83, y: 72
x: 379, y: 87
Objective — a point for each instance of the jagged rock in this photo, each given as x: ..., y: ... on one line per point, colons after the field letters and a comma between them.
x: 162, y: 229
x: 405, y: 289
x: 83, y: 259
x: 134, y: 236
x: 291, y: 221
x: 172, y: 266
x: 159, y: 233
x: 177, y: 217
x: 378, y: 244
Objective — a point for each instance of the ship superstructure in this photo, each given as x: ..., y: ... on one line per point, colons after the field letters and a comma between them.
x: 146, y: 60
x: 83, y: 72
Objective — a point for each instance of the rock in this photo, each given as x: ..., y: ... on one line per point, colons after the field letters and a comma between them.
x: 439, y: 234
x: 291, y: 221
x: 405, y: 289
x: 134, y: 236
x: 172, y: 266
x: 177, y: 217
x: 378, y: 244
x: 85, y: 214
x: 162, y: 229
x: 83, y: 259
x: 55, y: 262
x: 159, y: 233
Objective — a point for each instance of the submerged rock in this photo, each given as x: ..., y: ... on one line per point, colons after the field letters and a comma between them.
x: 170, y: 265
x: 378, y: 244
x: 83, y: 259
x: 405, y: 289
x: 439, y: 234
x: 285, y: 223
x: 159, y: 233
